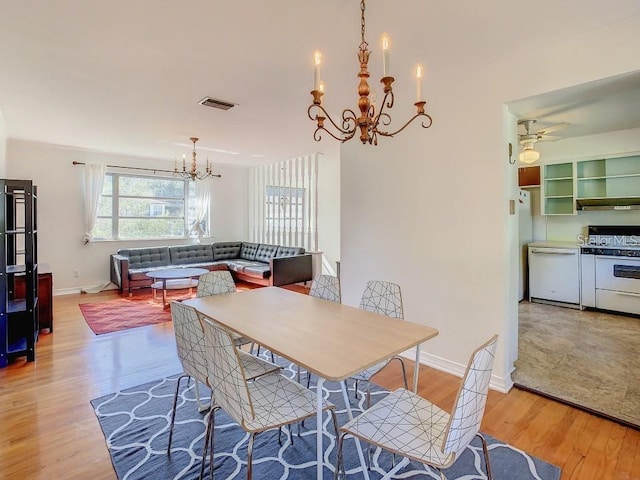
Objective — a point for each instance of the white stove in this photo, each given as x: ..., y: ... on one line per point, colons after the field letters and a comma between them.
x: 610, y: 240
x: 610, y: 269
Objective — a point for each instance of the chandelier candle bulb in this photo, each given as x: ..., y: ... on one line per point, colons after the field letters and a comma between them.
x: 184, y: 162
x: 317, y: 60
x: 385, y: 55
x: 419, y: 75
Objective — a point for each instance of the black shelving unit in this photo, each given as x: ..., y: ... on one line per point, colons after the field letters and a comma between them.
x: 18, y: 259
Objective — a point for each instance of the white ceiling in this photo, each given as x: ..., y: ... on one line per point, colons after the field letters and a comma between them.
x: 125, y: 76
x: 597, y: 107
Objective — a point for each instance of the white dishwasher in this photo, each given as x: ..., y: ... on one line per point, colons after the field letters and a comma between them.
x: 554, y: 272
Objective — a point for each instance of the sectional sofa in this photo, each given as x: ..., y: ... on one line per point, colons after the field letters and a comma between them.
x: 253, y: 262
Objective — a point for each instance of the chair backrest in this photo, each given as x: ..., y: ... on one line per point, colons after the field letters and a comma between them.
x: 468, y: 408
x: 190, y: 341
x: 214, y: 283
x: 326, y: 287
x: 382, y: 297
x: 226, y: 375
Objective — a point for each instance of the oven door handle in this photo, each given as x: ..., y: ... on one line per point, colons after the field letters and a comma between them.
x: 547, y: 251
x: 628, y: 294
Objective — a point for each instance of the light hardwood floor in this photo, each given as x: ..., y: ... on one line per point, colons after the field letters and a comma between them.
x: 48, y: 429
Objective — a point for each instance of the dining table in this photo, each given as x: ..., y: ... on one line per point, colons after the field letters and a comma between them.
x: 331, y: 340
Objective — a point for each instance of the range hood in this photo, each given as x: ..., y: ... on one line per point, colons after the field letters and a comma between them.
x: 619, y: 203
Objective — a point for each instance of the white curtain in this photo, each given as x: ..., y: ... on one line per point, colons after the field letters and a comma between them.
x: 203, y: 201
x: 93, y: 180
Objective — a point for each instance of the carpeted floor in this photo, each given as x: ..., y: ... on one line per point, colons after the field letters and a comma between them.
x: 135, y: 423
x: 588, y: 359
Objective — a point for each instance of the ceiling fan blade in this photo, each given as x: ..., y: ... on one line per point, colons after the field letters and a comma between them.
x: 549, y: 138
x: 552, y: 128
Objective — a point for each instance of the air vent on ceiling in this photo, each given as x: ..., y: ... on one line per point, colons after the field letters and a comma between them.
x: 215, y: 103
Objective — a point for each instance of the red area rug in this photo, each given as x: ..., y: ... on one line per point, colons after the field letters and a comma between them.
x: 141, y: 309
x: 129, y: 312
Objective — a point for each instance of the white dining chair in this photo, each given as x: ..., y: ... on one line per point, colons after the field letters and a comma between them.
x: 193, y: 356
x: 215, y: 283
x: 406, y: 424
x: 384, y: 298
x: 326, y: 287
x: 219, y: 282
x: 268, y: 402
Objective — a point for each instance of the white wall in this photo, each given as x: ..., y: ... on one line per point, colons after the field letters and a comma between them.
x: 3, y: 147
x: 329, y: 208
x: 429, y: 209
x: 60, y: 209
x: 569, y: 227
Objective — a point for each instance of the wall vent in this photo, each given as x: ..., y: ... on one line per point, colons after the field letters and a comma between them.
x: 215, y: 103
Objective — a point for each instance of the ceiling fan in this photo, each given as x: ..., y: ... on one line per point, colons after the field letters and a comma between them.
x: 528, y: 138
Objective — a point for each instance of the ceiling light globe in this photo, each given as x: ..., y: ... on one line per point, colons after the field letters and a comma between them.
x: 529, y: 156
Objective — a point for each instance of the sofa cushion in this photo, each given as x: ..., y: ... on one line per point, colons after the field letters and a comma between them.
x: 248, y: 251
x: 289, y: 251
x: 189, y: 254
x: 226, y: 250
x: 266, y: 252
x: 238, y: 265
x: 147, y: 257
x: 257, y: 271
x: 141, y: 273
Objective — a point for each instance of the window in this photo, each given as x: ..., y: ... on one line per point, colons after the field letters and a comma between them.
x: 137, y: 207
x: 284, y: 209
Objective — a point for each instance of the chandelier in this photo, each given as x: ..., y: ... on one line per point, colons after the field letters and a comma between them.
x: 193, y: 173
x: 370, y: 122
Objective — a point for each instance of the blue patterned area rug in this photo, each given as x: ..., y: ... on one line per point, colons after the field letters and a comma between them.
x: 135, y: 423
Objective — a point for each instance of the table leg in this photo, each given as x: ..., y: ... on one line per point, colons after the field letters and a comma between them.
x: 319, y: 450
x: 416, y: 370
x: 345, y: 396
x: 164, y: 293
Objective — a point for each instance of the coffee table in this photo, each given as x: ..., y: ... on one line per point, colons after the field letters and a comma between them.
x: 174, y: 279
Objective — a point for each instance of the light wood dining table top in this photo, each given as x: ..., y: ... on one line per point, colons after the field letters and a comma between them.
x: 331, y: 340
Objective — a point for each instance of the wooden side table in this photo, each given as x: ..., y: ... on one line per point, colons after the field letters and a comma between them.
x: 45, y: 295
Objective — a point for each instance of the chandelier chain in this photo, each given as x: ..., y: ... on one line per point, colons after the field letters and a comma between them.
x: 363, y: 44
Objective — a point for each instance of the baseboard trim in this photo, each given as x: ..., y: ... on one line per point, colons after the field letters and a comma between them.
x: 73, y: 290
x: 500, y: 384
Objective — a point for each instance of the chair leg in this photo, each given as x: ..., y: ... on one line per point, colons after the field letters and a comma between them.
x: 212, y: 434
x: 251, y: 348
x: 201, y: 407
x: 369, y: 452
x: 404, y: 372
x: 355, y: 389
x: 173, y: 411
x: 250, y: 456
x: 486, y: 456
x: 208, y: 438
x: 339, y: 459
